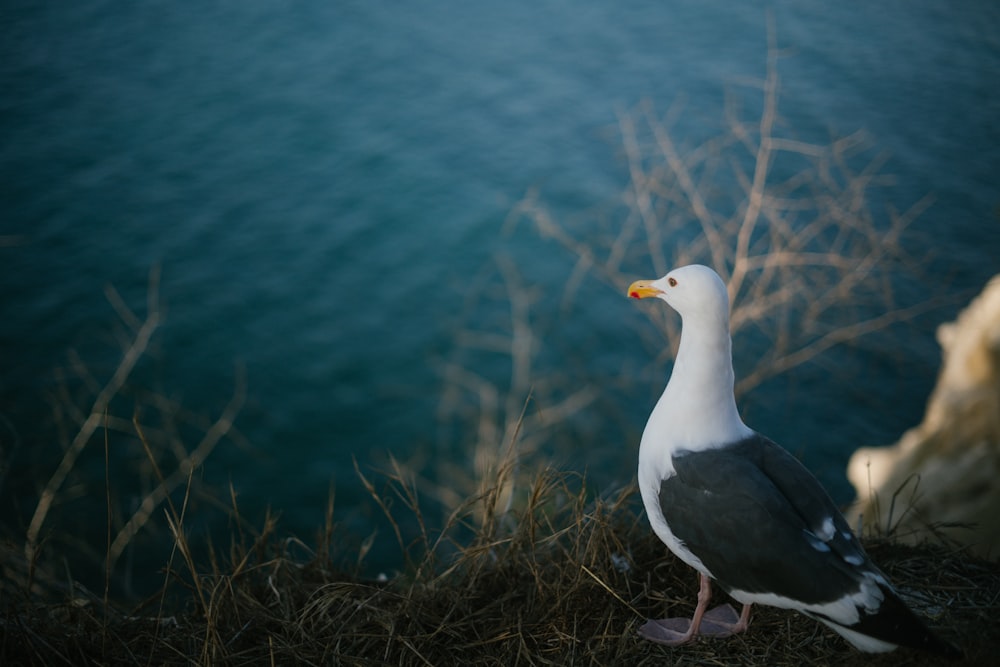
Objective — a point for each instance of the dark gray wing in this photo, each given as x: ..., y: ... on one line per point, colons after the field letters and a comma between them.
x: 761, y: 522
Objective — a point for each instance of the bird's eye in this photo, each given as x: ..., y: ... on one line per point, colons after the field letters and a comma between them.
x: 672, y: 282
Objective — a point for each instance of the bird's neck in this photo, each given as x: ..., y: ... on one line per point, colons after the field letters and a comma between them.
x: 698, y: 407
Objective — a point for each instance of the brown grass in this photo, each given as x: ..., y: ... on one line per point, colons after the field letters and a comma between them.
x: 565, y: 579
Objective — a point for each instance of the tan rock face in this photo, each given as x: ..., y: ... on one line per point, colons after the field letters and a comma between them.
x: 945, y: 473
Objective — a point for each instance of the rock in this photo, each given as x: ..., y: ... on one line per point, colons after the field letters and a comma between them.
x: 945, y: 473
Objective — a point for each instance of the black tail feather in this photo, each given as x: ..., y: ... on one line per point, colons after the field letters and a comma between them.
x: 896, y: 623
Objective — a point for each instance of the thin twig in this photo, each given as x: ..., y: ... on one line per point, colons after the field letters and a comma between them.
x: 129, y: 359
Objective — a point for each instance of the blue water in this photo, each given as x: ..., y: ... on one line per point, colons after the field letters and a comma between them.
x: 325, y: 186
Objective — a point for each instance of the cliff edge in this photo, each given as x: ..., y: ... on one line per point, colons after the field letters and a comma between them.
x: 947, y: 469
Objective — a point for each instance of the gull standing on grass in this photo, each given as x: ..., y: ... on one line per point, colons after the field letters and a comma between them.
x: 741, y: 510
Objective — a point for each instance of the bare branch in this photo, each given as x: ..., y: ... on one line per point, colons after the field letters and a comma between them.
x: 129, y: 359
x: 219, y: 429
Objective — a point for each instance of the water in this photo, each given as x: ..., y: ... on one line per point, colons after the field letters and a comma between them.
x: 325, y: 185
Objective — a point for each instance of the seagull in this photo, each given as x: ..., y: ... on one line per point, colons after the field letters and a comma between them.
x: 741, y: 510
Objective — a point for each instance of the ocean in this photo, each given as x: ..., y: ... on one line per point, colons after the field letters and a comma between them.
x: 326, y: 190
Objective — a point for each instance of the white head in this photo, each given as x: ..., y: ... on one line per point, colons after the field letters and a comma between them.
x: 695, y: 291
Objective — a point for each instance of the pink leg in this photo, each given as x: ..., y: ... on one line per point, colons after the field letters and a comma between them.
x: 719, y: 622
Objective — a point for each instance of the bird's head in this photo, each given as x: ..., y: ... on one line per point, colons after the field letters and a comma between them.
x: 693, y: 291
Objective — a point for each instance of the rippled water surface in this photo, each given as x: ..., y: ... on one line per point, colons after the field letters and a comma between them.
x: 324, y: 188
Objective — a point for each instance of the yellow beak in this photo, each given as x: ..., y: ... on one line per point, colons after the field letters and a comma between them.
x: 641, y: 289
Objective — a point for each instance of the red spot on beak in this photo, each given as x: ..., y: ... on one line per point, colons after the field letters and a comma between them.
x: 634, y: 295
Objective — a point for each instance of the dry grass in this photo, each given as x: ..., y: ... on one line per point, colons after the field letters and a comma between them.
x: 563, y: 578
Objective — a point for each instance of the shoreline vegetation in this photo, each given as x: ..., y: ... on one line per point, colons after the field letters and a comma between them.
x: 520, y: 563
x: 565, y: 579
